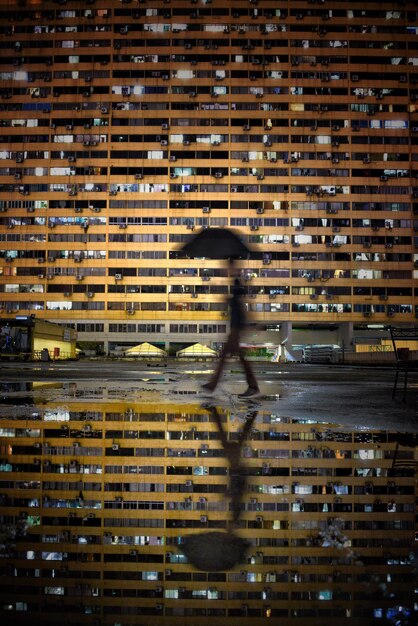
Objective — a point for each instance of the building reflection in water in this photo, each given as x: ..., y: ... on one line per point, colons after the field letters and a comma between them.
x: 98, y: 494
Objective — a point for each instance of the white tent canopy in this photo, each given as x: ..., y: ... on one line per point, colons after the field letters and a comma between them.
x: 197, y: 350
x: 145, y: 350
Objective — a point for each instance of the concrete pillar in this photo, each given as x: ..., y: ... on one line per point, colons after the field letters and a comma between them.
x: 345, y: 335
x: 286, y: 333
x: 286, y: 339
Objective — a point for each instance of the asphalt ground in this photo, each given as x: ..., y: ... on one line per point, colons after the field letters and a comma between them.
x: 355, y: 397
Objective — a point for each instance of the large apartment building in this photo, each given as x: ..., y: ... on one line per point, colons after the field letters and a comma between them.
x: 127, y: 126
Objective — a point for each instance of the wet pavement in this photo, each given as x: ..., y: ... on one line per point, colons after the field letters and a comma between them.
x: 328, y: 449
x: 355, y: 397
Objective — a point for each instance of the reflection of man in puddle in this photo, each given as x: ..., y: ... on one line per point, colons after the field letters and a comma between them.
x: 215, y: 551
x: 237, y: 470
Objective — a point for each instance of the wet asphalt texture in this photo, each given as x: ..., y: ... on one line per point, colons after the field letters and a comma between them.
x: 354, y: 397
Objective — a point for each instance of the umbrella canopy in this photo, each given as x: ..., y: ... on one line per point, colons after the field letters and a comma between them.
x: 145, y: 349
x: 216, y: 243
x: 214, y: 551
x: 197, y: 349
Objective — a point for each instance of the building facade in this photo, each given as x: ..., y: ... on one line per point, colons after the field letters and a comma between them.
x: 127, y: 127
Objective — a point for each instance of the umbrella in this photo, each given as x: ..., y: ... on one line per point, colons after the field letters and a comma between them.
x: 214, y: 551
x: 216, y: 243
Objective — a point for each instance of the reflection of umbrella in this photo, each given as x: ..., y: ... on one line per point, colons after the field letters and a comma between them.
x: 216, y: 243
x: 214, y: 551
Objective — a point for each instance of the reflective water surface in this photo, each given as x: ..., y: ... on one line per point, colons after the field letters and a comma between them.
x: 104, y: 483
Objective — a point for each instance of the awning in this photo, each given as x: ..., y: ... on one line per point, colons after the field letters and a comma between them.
x: 197, y: 350
x: 145, y: 350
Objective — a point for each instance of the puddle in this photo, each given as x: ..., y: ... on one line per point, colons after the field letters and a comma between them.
x: 105, y: 481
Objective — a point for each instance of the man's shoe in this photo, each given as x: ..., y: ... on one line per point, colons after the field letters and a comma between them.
x: 208, y: 387
x: 252, y: 392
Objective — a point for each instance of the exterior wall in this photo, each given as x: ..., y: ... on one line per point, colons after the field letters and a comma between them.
x: 288, y: 124
x: 27, y: 338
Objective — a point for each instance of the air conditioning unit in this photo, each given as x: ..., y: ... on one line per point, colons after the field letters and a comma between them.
x: 254, y: 227
x: 41, y: 260
x: 259, y: 519
x: 203, y: 519
x: 77, y: 259
x: 90, y: 294
x: 118, y: 276
x: 67, y: 294
x: 133, y: 552
x: 91, y: 516
x: 245, y: 159
x: 115, y: 447
x: 164, y: 127
x: 246, y: 127
x: 260, y: 211
x: 123, y: 225
x: 206, y: 209
x: 189, y: 483
x: 383, y: 178
x: 71, y: 159
x: 51, y: 259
